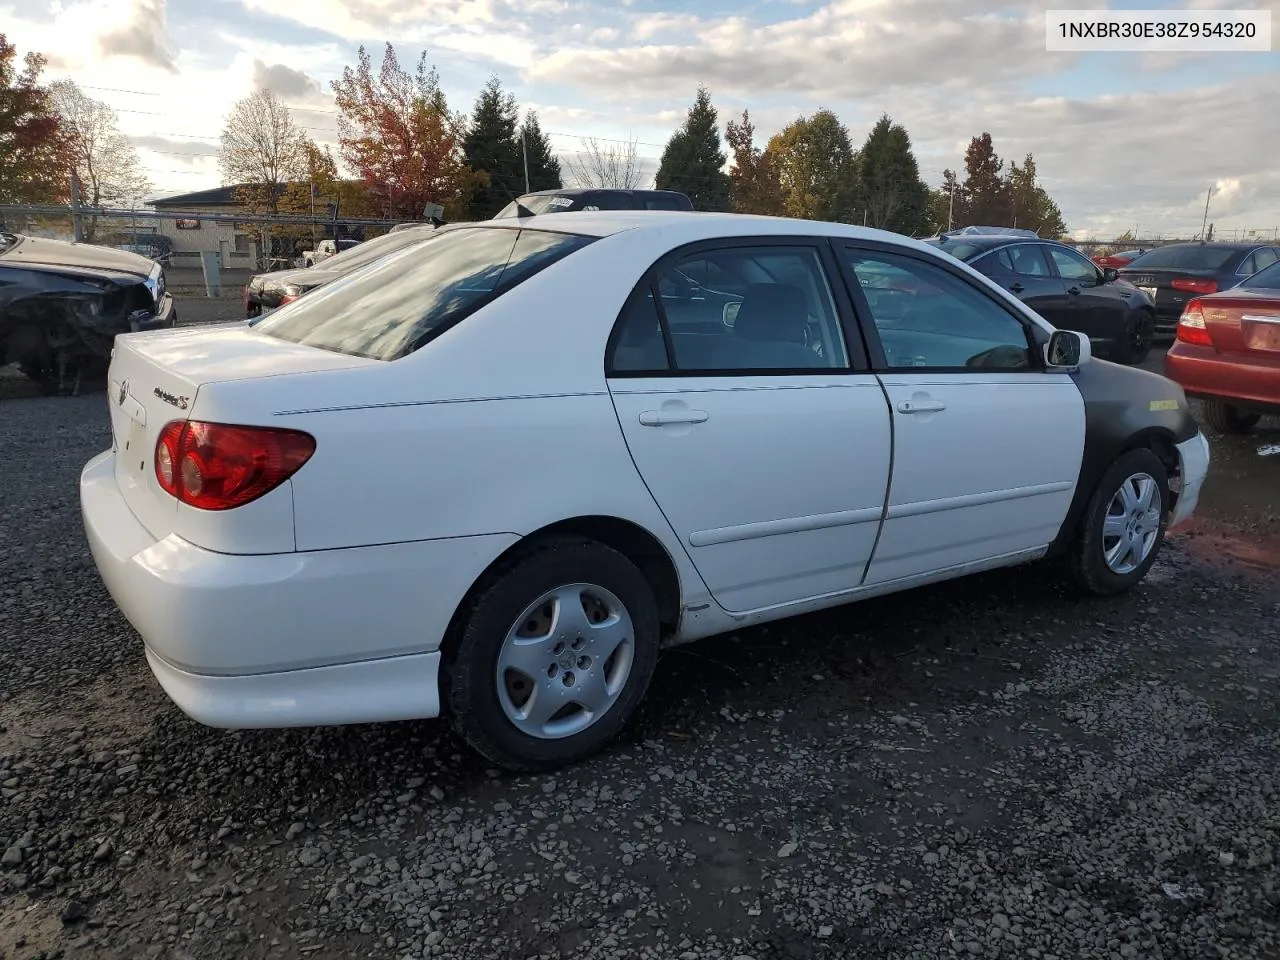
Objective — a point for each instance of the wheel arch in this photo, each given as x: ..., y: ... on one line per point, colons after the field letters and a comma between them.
x: 630, y: 539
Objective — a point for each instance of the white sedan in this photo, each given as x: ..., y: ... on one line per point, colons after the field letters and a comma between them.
x: 490, y: 475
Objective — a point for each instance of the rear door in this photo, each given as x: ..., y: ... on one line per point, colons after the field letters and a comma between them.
x: 765, y: 444
x: 1023, y: 270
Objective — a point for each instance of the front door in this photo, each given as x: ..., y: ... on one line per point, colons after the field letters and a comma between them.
x: 1021, y: 268
x: 759, y: 432
x: 1102, y: 308
x: 987, y: 445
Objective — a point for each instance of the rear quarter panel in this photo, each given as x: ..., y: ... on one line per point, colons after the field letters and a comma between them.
x: 503, y: 424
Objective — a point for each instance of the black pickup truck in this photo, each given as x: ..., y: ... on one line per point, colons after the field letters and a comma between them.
x: 62, y: 304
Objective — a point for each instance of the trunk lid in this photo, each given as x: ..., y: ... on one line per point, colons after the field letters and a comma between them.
x: 155, y: 378
x: 1157, y: 283
x: 1244, y: 322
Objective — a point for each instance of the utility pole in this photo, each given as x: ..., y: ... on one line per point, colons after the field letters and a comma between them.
x: 1205, y: 222
x: 951, y: 203
x: 524, y: 146
x: 77, y: 221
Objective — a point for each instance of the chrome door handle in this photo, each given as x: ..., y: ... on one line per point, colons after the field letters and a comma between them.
x: 658, y: 418
x: 921, y: 406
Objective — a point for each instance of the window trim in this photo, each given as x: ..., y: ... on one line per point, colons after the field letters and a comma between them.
x: 1035, y: 334
x: 846, y: 322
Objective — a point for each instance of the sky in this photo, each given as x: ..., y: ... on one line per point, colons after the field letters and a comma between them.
x: 1122, y: 141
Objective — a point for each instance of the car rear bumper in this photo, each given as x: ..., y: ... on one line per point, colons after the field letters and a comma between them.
x: 1193, y: 462
x: 290, y: 639
x: 1203, y: 372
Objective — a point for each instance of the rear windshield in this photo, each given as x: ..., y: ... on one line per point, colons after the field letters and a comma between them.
x: 1192, y: 257
x: 539, y: 205
x: 1268, y: 277
x: 352, y: 258
x: 962, y: 250
x: 393, y: 306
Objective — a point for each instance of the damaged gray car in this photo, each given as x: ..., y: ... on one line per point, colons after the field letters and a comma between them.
x: 62, y: 304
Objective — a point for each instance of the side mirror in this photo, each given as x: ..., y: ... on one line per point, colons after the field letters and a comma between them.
x: 1109, y: 274
x: 1067, y: 350
x: 729, y: 316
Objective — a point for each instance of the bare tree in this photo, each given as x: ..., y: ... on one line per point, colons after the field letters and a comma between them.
x: 106, y: 163
x: 615, y: 166
x: 263, y: 148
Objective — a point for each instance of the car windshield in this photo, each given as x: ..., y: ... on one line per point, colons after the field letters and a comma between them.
x: 391, y: 307
x: 355, y: 257
x: 1193, y: 256
x: 1266, y: 278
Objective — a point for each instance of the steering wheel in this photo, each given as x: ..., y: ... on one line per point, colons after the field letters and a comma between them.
x: 1004, y: 357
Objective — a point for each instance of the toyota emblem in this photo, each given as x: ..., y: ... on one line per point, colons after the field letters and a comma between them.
x: 124, y: 392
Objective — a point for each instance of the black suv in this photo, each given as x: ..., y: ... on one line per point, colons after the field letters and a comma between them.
x: 1065, y: 287
x: 585, y: 198
x: 62, y: 304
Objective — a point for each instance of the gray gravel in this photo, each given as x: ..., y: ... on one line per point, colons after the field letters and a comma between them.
x: 984, y: 769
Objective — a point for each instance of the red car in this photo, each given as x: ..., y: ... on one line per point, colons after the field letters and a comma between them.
x: 1117, y: 260
x: 1227, y: 352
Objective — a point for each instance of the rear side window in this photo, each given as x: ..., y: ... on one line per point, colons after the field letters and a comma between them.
x: 1268, y: 278
x: 393, y: 306
x: 1192, y: 257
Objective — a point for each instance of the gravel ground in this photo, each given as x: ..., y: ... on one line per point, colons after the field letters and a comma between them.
x: 988, y: 768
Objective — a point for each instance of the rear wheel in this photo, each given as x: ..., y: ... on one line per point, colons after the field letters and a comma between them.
x: 1226, y: 418
x: 1139, y: 334
x: 1123, y: 526
x: 554, y: 656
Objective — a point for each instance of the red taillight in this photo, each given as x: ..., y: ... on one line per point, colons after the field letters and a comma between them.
x: 246, y: 297
x: 1191, y: 327
x: 214, y: 466
x: 288, y: 298
x: 1191, y: 285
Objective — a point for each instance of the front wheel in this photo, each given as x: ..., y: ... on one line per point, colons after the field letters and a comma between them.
x: 554, y: 657
x: 1225, y: 418
x: 1123, y: 526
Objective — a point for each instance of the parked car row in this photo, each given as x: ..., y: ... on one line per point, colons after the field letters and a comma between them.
x: 1173, y: 274
x: 488, y: 475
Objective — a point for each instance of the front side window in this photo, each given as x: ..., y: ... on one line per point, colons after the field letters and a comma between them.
x: 391, y: 307
x: 1072, y: 266
x: 928, y: 318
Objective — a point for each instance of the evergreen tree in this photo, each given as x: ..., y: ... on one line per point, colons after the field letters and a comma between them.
x: 986, y: 191
x: 1031, y: 206
x: 492, y: 147
x: 816, y: 168
x: 754, y: 186
x: 544, y: 168
x: 693, y: 161
x: 891, y: 194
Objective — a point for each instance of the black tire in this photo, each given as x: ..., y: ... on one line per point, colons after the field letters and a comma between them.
x: 1139, y: 334
x: 470, y: 684
x: 1225, y: 418
x: 1088, y: 564
x: 45, y: 378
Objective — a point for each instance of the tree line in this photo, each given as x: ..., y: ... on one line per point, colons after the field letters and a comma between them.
x: 405, y: 148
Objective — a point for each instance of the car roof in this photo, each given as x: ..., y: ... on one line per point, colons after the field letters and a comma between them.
x: 579, y: 191
x: 988, y: 241
x: 1216, y: 245
x: 688, y: 226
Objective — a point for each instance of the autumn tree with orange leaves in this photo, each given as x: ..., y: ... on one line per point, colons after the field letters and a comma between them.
x: 396, y: 133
